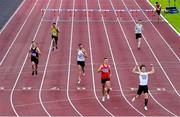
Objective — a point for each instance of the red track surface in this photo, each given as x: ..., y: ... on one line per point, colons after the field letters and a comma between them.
x: 114, y: 40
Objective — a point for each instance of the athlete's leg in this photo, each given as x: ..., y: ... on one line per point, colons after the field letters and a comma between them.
x: 33, y: 67
x: 36, y: 67
x: 79, y: 74
x: 103, y: 91
x: 139, y: 42
x: 139, y: 92
x: 108, y: 85
x: 145, y: 101
x: 53, y: 44
x: 56, y: 42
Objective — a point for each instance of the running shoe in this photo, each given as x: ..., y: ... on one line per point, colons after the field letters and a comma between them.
x: 133, y: 99
x: 108, y: 97
x: 145, y: 108
x: 103, y: 99
x: 33, y: 73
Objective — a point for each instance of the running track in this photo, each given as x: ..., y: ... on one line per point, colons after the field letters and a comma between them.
x: 53, y: 92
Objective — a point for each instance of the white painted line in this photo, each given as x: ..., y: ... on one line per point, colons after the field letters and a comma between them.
x: 45, y: 70
x: 18, y: 77
x: 163, y: 89
x: 91, y: 57
x: 69, y: 64
x: 29, y: 88
x: 1, y: 88
x: 16, y: 37
x: 158, y: 60
x: 158, y: 89
x: 10, y: 19
x: 165, y: 20
x: 161, y: 36
x: 137, y: 63
x: 117, y: 74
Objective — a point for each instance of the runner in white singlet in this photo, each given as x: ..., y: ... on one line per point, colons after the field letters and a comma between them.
x: 143, y: 82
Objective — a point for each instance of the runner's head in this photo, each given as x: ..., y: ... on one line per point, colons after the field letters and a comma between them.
x: 157, y: 3
x: 80, y: 46
x: 54, y: 24
x: 143, y: 68
x: 106, y: 61
x: 33, y: 44
x: 139, y: 21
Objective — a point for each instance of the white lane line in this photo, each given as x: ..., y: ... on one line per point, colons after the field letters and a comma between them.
x: 10, y: 19
x: 159, y: 61
x: 16, y: 37
x: 137, y: 63
x: 160, y: 35
x: 18, y: 77
x: 69, y: 65
x: 165, y: 20
x: 112, y: 55
x: 45, y: 69
x: 91, y: 56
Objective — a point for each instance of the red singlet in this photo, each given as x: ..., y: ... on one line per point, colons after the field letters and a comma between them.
x: 105, y: 71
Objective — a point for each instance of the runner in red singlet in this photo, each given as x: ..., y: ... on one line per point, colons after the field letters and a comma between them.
x: 105, y: 71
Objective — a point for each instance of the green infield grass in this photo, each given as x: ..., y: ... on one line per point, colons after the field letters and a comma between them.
x: 173, y: 19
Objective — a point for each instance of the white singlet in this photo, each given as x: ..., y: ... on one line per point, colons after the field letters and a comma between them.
x: 143, y: 78
x: 138, y: 28
x: 80, y: 55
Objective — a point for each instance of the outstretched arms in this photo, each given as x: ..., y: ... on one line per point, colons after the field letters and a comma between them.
x: 136, y: 69
x: 152, y: 69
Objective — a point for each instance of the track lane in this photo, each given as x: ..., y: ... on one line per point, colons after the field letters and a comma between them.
x: 10, y: 68
x: 87, y: 99
x: 169, y: 61
x: 102, y: 47
x: 125, y: 72
x: 8, y: 34
x: 27, y: 97
x: 161, y: 82
x: 58, y: 78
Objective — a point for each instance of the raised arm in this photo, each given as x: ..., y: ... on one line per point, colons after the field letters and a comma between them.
x: 38, y: 50
x: 152, y: 69
x: 99, y: 69
x: 85, y: 53
x: 135, y: 70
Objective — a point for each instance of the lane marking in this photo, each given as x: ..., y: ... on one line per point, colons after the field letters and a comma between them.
x: 165, y: 73
x: 10, y: 19
x: 1, y: 88
x: 69, y: 64
x: 18, y: 77
x: 137, y: 63
x: 165, y: 20
x: 45, y: 69
x: 16, y: 37
x: 112, y: 55
x: 91, y: 57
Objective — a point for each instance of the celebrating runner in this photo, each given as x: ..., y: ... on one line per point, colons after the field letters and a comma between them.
x: 105, y: 71
x: 81, y: 56
x: 34, y: 54
x: 54, y: 35
x: 138, y: 33
x: 143, y: 79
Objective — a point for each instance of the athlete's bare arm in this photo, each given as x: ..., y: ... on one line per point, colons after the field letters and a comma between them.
x: 85, y: 53
x: 152, y: 69
x: 136, y: 70
x: 99, y: 69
